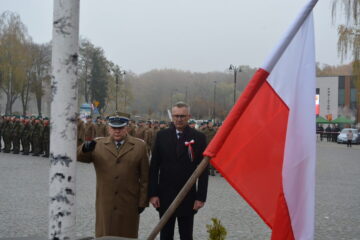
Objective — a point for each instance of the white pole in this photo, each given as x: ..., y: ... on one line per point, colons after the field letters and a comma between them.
x: 65, y: 46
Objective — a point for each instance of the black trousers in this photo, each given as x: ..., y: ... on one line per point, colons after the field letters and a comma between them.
x: 185, y: 224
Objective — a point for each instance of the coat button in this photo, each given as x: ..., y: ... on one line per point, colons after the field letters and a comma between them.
x: 116, y: 192
x: 117, y: 177
x: 115, y: 208
x: 118, y: 161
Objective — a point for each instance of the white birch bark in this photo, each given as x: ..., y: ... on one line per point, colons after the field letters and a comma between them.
x: 65, y: 46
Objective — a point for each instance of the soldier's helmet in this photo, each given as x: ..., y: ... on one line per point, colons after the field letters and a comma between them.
x: 119, y: 120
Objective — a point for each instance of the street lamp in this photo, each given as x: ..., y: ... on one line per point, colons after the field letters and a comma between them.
x: 214, y: 116
x: 236, y: 69
x: 117, y: 73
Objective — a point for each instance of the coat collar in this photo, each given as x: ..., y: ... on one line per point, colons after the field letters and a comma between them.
x: 127, y: 146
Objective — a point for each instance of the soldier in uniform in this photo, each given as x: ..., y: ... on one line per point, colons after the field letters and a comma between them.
x: 122, y: 172
x: 132, y: 128
x: 8, y: 134
x: 32, y: 124
x: 140, y: 131
x: 89, y: 129
x: 46, y: 137
x: 210, y: 132
x: 80, y: 131
x: 37, y: 137
x: 26, y: 136
x: 100, y: 128
x: 148, y: 138
x: 192, y: 124
x: 16, y: 134
x: 163, y: 125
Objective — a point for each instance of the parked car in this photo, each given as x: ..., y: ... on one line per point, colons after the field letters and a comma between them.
x: 342, y: 138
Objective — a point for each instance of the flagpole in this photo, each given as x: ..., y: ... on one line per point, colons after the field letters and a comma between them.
x: 184, y: 191
x: 275, y: 55
x: 65, y: 47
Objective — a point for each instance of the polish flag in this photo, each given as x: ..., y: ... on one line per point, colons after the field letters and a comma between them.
x: 266, y: 147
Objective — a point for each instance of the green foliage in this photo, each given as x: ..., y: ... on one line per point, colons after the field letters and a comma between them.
x: 216, y: 231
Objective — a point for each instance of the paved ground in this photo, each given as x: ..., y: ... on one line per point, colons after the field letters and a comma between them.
x: 24, y: 189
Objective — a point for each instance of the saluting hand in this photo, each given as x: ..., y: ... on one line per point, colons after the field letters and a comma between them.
x: 88, y: 146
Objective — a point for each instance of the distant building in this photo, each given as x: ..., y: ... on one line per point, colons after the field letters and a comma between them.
x: 337, y: 96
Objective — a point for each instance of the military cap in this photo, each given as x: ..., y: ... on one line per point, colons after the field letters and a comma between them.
x: 141, y: 121
x: 156, y: 122
x: 162, y: 122
x: 45, y: 118
x: 119, y: 120
x: 192, y: 122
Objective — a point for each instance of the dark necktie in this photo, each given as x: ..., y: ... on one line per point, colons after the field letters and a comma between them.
x: 118, y: 145
x: 180, y: 143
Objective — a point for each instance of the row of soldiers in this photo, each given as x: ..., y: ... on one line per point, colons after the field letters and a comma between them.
x: 145, y: 130
x: 25, y: 134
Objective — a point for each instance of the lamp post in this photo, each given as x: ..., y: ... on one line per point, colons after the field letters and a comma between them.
x: 214, y: 115
x: 117, y: 73
x: 236, y: 69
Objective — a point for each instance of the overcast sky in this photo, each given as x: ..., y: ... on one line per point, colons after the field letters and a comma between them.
x: 194, y: 35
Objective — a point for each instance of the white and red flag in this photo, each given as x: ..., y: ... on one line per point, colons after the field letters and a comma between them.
x: 266, y: 148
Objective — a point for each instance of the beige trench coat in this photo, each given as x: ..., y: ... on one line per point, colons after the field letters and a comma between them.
x: 122, y: 185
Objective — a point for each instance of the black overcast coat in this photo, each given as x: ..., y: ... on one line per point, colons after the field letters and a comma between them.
x: 169, y: 171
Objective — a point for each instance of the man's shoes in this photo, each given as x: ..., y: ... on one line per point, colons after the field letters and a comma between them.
x: 36, y: 154
x: 16, y: 152
x: 6, y: 151
x: 45, y: 155
x: 25, y: 153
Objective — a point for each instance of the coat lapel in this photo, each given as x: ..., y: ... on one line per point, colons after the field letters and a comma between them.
x: 110, y: 146
x: 126, y: 147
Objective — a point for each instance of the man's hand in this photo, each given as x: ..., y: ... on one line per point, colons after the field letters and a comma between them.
x: 88, y: 146
x: 198, y: 204
x: 155, y: 201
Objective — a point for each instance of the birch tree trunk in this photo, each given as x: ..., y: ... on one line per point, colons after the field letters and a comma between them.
x: 65, y: 47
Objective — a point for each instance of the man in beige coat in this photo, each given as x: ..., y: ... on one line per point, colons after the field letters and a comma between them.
x: 122, y: 168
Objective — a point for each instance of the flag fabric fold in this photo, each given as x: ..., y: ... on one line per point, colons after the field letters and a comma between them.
x: 266, y: 146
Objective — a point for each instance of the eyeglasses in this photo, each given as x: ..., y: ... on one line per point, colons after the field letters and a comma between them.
x: 179, y: 116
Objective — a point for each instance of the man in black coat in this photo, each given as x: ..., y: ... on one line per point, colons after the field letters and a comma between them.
x: 175, y: 156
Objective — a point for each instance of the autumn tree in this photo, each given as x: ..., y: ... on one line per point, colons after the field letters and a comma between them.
x: 349, y: 37
x: 13, y: 58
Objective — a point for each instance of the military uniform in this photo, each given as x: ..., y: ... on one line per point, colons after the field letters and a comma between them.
x: 46, y: 139
x: 122, y: 175
x: 210, y: 133
x: 140, y: 132
x: 25, y: 138
x: 89, y: 131
x: 100, y: 130
x: 16, y: 135
x: 7, y: 135
x: 37, y: 139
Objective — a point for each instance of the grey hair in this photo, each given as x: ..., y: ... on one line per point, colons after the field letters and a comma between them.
x: 181, y: 104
